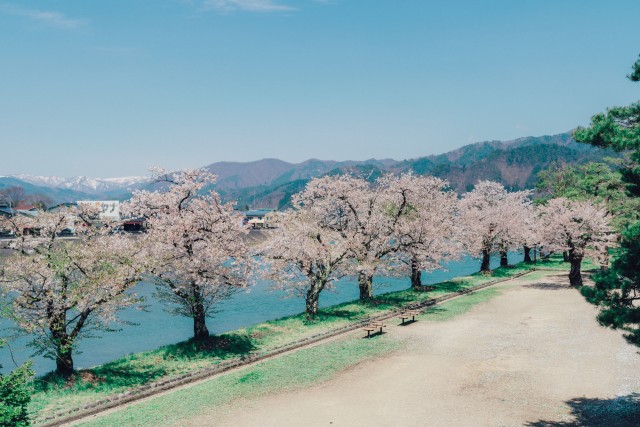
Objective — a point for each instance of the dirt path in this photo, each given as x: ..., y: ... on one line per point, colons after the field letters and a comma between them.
x: 533, y: 355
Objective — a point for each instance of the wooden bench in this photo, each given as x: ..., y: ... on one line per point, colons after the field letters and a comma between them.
x: 373, y: 326
x: 409, y: 314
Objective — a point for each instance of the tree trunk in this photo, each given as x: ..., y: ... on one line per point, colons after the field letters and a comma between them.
x: 486, y: 260
x: 575, y: 277
x: 313, y: 295
x: 200, y: 331
x: 365, y: 282
x: 565, y: 256
x: 527, y: 254
x: 416, y: 275
x: 604, y: 266
x: 58, y: 327
x: 504, y: 261
x: 64, y: 361
x: 311, y: 305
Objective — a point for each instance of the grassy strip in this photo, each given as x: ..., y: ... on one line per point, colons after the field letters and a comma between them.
x: 302, y: 368
x: 53, y: 394
x: 556, y: 263
x: 294, y: 370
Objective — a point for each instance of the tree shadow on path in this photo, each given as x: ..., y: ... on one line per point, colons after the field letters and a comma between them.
x: 593, y: 412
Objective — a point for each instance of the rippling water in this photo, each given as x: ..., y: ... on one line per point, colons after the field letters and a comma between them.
x: 155, y: 327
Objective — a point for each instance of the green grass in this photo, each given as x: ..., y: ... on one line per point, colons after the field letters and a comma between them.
x: 53, y: 394
x: 295, y: 370
x: 555, y: 263
x: 302, y: 368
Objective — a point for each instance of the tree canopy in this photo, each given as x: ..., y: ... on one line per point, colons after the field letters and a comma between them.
x: 617, y: 290
x: 618, y: 128
x: 59, y: 290
x: 195, y: 243
x: 601, y: 182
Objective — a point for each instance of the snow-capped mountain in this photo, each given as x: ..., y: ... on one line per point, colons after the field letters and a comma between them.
x: 86, y: 184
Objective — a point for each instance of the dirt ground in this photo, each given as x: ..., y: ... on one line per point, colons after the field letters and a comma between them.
x: 533, y: 355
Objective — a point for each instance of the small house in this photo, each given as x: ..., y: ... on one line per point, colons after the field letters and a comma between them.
x: 261, y: 218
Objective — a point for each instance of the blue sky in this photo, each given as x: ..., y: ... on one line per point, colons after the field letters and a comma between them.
x: 108, y: 88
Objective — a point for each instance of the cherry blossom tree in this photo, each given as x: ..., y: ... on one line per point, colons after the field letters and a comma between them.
x: 579, y: 227
x: 395, y: 220
x: 364, y: 217
x: 61, y: 290
x: 196, y: 244
x: 304, y: 255
x: 380, y: 219
x: 530, y: 231
x: 425, y: 222
x: 339, y: 205
x: 492, y: 217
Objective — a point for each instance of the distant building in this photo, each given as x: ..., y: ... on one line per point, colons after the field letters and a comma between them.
x: 261, y: 218
x: 28, y: 212
x: 56, y: 208
x: 6, y: 211
x: 133, y: 225
x: 107, y: 209
x: 9, y: 212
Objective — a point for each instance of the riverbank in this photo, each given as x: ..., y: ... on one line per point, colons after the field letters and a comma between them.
x: 524, y: 352
x: 54, y: 396
x: 154, y: 327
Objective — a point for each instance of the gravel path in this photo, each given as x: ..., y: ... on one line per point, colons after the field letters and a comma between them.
x: 533, y: 355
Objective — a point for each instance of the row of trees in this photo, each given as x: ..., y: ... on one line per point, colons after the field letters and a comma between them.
x: 403, y: 225
x: 61, y: 290
x: 195, y: 250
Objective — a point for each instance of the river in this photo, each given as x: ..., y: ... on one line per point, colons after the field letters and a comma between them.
x: 259, y: 303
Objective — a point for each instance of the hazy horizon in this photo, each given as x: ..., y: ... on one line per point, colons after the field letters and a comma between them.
x: 145, y: 171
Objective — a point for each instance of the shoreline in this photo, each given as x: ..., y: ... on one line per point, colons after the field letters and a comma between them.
x: 188, y: 380
x: 303, y: 335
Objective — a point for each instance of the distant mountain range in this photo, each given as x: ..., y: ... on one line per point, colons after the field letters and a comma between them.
x: 85, y: 184
x: 271, y: 182
x: 516, y: 164
x: 268, y: 172
x: 60, y: 189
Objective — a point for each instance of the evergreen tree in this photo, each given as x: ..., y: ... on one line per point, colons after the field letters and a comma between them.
x: 15, y: 395
x: 619, y: 129
x: 618, y: 290
x: 602, y: 183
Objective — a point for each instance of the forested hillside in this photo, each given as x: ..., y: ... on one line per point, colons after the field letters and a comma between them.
x: 515, y: 164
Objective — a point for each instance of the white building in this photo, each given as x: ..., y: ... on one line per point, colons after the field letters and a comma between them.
x: 107, y: 209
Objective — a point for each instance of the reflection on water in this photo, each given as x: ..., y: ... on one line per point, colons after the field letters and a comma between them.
x: 156, y: 328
